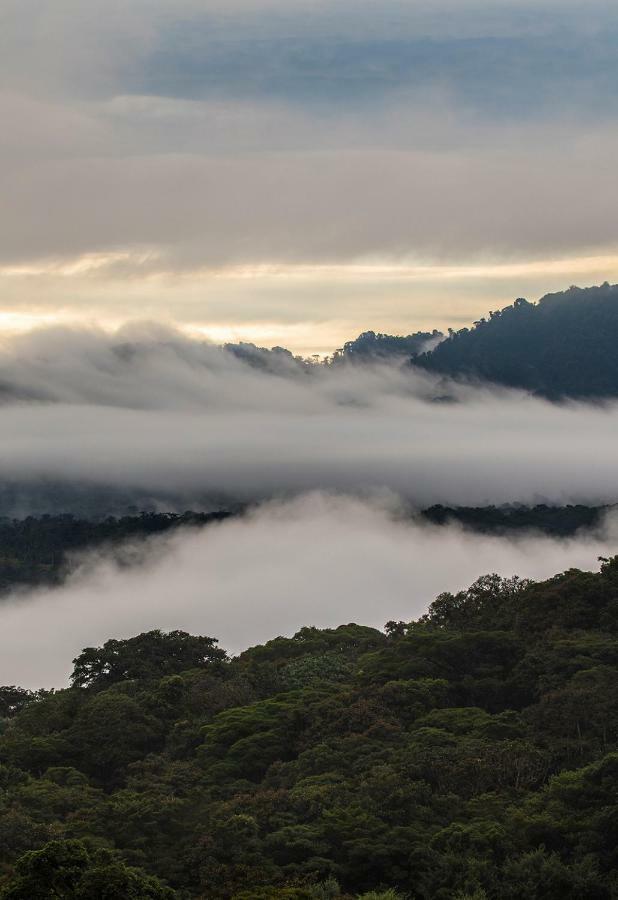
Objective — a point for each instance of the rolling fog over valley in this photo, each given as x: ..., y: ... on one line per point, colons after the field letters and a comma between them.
x: 308, y: 450
x: 317, y: 560
x: 329, y: 461
x: 180, y: 421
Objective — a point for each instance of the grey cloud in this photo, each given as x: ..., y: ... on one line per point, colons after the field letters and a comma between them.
x: 327, y: 206
x: 445, y: 157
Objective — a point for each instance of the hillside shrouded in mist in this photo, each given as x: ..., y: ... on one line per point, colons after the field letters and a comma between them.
x: 262, y: 373
x: 315, y: 560
x: 174, y: 419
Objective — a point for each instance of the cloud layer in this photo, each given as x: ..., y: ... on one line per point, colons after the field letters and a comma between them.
x: 151, y: 410
x: 183, y: 138
x: 154, y: 153
x: 317, y: 560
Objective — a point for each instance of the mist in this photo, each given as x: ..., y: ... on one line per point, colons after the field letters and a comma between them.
x: 151, y: 410
x: 317, y: 560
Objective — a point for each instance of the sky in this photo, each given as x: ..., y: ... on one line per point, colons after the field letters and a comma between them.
x: 297, y: 172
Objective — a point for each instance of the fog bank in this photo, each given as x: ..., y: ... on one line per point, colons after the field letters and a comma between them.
x: 318, y: 560
x: 151, y: 410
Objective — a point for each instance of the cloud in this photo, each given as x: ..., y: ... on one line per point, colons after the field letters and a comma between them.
x: 212, y: 134
x: 220, y: 184
x: 179, y: 143
x: 318, y: 560
x: 150, y: 410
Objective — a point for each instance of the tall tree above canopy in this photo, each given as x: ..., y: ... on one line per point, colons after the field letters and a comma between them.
x: 152, y: 654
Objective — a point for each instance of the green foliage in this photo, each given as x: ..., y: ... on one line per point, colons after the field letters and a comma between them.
x: 149, y: 655
x: 69, y: 870
x: 472, y: 754
x: 325, y: 890
x: 490, y: 602
x: 13, y: 699
x: 380, y: 895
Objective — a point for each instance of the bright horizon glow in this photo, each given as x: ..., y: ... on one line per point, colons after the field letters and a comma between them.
x: 267, y: 304
x: 90, y: 263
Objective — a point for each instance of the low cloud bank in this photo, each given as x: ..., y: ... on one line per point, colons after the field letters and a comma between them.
x: 150, y: 410
x: 317, y: 560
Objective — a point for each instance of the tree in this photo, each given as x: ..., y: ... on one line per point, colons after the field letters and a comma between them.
x: 69, y: 870
x: 13, y: 699
x: 148, y: 655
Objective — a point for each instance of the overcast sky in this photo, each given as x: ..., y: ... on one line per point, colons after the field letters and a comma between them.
x: 296, y: 172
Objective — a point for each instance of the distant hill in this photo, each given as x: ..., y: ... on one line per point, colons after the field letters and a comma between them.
x: 369, y: 346
x: 566, y: 345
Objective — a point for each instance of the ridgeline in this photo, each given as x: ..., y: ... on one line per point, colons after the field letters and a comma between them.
x: 563, y: 346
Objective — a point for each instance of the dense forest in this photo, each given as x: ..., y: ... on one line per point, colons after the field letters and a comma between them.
x: 562, y: 346
x: 470, y: 754
x: 38, y: 550
x: 558, y: 521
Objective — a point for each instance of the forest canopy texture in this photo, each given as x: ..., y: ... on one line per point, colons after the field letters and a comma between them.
x: 472, y: 753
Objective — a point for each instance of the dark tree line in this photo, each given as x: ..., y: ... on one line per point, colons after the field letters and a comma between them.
x: 560, y: 521
x: 36, y: 549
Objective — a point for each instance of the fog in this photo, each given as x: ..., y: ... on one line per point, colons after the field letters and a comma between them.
x: 168, y: 416
x: 317, y: 560
x: 332, y: 457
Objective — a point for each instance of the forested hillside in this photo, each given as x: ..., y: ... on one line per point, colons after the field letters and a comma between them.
x: 470, y: 754
x: 563, y: 346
